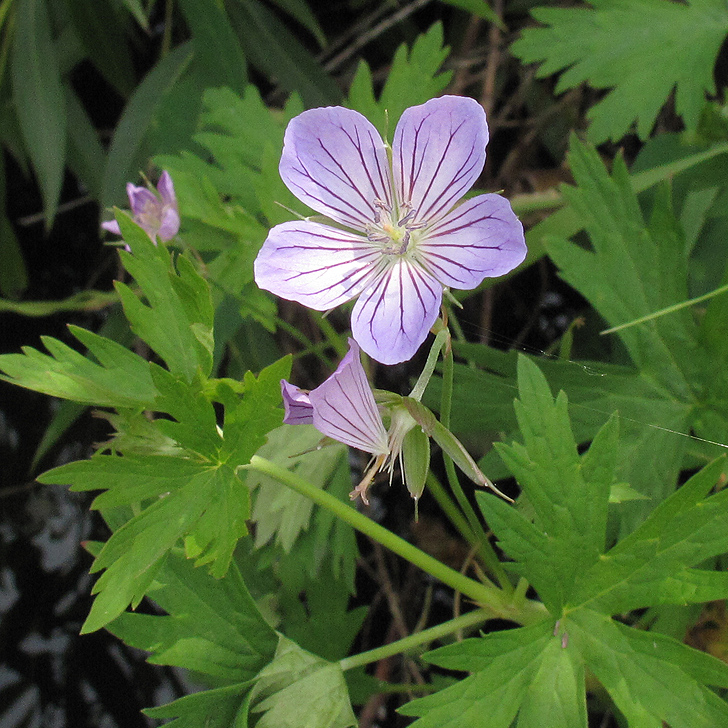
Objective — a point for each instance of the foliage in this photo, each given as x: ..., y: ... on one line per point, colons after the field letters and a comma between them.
x: 539, y: 671
x: 661, y: 46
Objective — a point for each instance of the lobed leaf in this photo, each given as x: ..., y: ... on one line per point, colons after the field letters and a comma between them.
x: 652, y: 679
x: 120, y: 379
x: 640, y: 49
x: 177, y: 320
x: 503, y: 666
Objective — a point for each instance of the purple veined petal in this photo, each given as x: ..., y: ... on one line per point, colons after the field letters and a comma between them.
x: 299, y: 410
x: 112, y: 226
x: 438, y: 153
x: 169, y: 224
x: 166, y: 190
x: 316, y: 265
x: 335, y: 161
x: 482, y: 238
x: 344, y: 407
x: 140, y: 198
x: 392, y: 317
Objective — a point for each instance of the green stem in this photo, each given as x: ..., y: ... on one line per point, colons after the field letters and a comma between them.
x: 489, y: 556
x: 496, y: 601
x: 426, y: 636
x: 419, y: 389
x: 669, y: 309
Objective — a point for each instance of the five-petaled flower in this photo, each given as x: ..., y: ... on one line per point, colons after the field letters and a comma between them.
x: 343, y: 408
x: 397, y: 239
x: 157, y: 216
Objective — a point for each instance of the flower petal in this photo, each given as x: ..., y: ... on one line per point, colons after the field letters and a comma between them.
x: 437, y: 154
x: 140, y: 198
x: 392, y: 317
x: 299, y: 410
x: 166, y: 190
x: 344, y: 407
x: 169, y: 224
x: 112, y: 226
x: 334, y: 160
x: 482, y: 238
x: 316, y: 265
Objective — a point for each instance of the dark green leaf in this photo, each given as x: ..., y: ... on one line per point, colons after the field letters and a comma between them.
x: 100, y: 29
x: 413, y: 79
x: 219, y: 60
x: 127, y: 154
x: 275, y: 51
x: 39, y: 100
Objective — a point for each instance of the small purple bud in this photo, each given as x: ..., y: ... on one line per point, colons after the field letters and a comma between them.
x: 158, y: 216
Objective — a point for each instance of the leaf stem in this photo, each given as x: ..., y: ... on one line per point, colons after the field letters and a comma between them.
x: 426, y: 636
x: 496, y: 601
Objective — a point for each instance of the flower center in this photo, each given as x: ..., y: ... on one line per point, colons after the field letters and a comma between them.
x: 393, y: 229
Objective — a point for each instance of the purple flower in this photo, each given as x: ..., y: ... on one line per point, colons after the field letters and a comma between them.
x: 398, y: 239
x: 157, y: 216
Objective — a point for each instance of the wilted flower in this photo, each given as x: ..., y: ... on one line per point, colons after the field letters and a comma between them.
x: 343, y: 408
x: 158, y: 216
x: 404, y: 239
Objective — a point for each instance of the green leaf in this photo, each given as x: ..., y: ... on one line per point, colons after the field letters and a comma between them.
x: 632, y: 271
x: 481, y: 8
x: 503, y: 666
x: 177, y: 322
x: 654, y: 680
x: 249, y: 419
x: 193, y: 494
x: 101, y: 32
x: 127, y: 153
x: 299, y: 690
x: 218, y: 708
x: 300, y: 10
x: 38, y: 95
x: 413, y: 79
x: 569, y: 493
x: 86, y: 156
x: 275, y: 51
x: 556, y: 691
x: 213, y: 626
x: 652, y: 565
x: 120, y: 379
x: 219, y: 59
x: 320, y: 621
x: 281, y: 514
x: 641, y: 49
